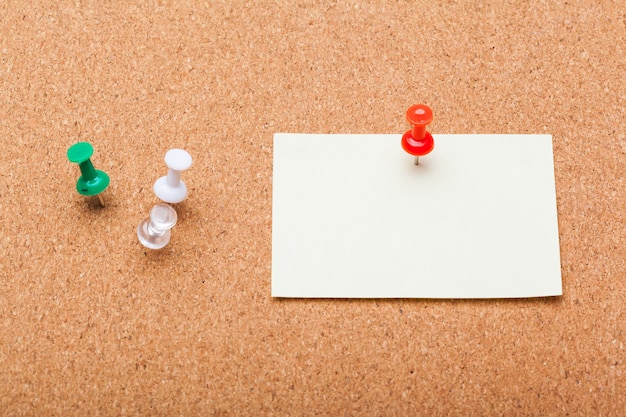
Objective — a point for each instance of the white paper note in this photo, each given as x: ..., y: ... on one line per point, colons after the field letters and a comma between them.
x: 353, y: 217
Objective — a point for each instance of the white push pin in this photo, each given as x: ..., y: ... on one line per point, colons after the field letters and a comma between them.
x: 171, y: 188
x: 154, y: 232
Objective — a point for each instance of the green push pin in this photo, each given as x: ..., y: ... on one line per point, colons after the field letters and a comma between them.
x: 92, y: 181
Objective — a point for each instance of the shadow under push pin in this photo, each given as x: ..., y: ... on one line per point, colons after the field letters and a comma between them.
x: 171, y: 188
x: 92, y: 181
x: 154, y: 232
x: 417, y: 141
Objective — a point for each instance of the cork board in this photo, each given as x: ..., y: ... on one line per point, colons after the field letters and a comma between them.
x: 91, y: 323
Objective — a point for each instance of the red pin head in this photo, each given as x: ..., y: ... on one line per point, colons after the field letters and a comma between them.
x: 417, y: 141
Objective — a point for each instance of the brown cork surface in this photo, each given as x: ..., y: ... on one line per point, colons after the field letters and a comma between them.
x: 91, y: 323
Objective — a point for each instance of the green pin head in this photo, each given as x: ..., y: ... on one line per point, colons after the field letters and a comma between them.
x: 92, y: 181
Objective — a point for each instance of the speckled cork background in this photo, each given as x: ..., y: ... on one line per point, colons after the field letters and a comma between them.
x: 93, y: 324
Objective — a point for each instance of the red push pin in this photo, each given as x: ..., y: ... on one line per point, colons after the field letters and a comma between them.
x: 417, y: 141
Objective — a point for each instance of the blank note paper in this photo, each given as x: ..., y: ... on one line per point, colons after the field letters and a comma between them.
x: 353, y: 217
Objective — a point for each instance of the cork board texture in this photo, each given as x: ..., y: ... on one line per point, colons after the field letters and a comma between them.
x: 92, y: 323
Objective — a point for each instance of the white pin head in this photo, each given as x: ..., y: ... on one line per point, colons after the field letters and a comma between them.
x: 154, y: 232
x: 171, y: 188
